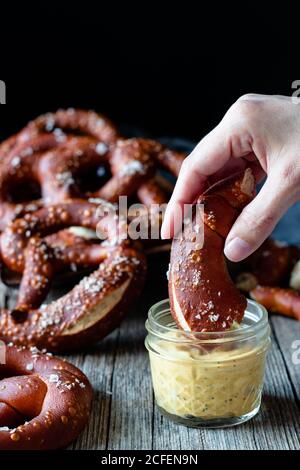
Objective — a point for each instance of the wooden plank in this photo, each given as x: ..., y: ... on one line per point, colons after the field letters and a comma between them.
x: 3, y: 292
x: 98, y: 365
x: 132, y: 400
x: 131, y: 419
x: 275, y: 427
x: 287, y: 332
x: 170, y: 436
x: 124, y: 415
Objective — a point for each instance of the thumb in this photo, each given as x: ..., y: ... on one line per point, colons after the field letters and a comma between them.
x: 258, y: 219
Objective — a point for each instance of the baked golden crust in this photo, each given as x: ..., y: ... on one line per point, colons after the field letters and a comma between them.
x: 278, y: 300
x: 52, y: 151
x: 44, y: 401
x: 95, y: 306
x: 202, y: 294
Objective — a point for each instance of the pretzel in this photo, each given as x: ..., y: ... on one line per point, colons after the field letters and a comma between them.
x: 44, y: 401
x: 75, y: 121
x: 270, y: 265
x: 48, y: 156
x: 94, y: 307
x: 19, y: 165
x: 58, y: 169
x: 279, y: 300
x: 154, y: 190
x: 57, y: 124
x: 132, y: 162
x: 63, y: 242
x: 7, y: 145
x: 64, y: 121
x: 294, y: 281
x: 202, y: 295
x: 20, y: 154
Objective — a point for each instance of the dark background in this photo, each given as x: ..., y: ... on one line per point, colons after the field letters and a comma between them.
x: 171, y: 70
x: 167, y: 68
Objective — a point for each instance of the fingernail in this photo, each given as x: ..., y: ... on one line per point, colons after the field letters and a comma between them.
x: 164, y: 232
x: 163, y: 236
x: 237, y: 249
x: 165, y: 227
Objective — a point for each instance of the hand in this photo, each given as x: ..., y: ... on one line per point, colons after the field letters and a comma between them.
x: 259, y: 131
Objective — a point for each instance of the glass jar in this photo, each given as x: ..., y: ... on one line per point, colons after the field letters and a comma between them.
x: 208, y: 379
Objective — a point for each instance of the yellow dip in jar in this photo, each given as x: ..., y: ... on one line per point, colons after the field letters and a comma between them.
x: 208, y: 379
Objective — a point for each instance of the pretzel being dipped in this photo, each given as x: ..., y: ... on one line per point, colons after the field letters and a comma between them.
x: 202, y: 294
x: 94, y: 307
x: 44, y: 401
x: 278, y: 300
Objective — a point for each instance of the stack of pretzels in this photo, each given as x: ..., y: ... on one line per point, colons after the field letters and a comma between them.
x: 58, y: 177
x: 55, y: 174
x: 50, y: 155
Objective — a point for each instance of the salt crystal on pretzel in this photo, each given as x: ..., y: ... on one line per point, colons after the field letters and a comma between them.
x: 34, y: 413
x: 202, y: 294
x: 94, y: 307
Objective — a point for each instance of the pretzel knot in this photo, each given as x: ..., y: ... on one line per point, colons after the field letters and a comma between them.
x: 51, y: 154
x: 20, y: 155
x: 202, y: 294
x: 95, y: 306
x: 44, y: 401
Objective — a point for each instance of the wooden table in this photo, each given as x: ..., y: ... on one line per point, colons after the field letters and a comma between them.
x: 124, y: 413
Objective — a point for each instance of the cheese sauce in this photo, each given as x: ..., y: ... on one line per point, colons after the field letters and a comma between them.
x: 201, y: 382
x: 217, y: 384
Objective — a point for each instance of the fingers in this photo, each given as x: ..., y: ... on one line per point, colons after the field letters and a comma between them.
x: 208, y: 157
x: 231, y: 139
x: 262, y: 132
x: 259, y: 218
